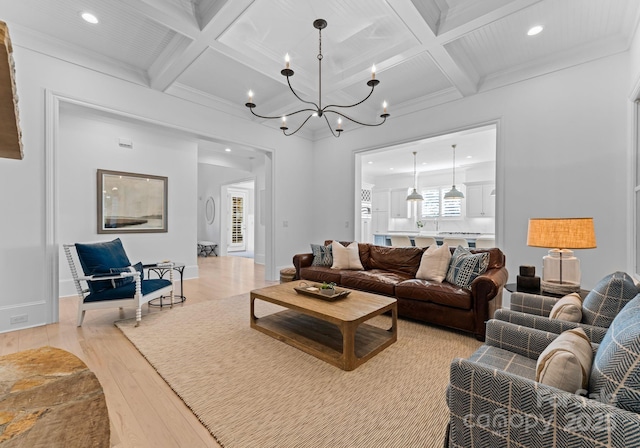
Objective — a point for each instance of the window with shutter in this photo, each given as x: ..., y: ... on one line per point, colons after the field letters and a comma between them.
x: 434, y: 204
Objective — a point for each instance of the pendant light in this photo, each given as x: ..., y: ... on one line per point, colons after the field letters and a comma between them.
x: 454, y: 193
x: 414, y: 196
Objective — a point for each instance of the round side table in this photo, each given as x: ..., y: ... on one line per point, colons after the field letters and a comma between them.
x: 161, y: 271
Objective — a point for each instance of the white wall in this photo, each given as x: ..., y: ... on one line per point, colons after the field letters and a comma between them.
x: 562, y: 151
x: 88, y: 142
x: 27, y: 267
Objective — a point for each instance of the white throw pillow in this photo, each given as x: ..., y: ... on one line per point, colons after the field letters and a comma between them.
x: 566, y: 362
x: 568, y: 308
x: 434, y: 263
x: 346, y: 257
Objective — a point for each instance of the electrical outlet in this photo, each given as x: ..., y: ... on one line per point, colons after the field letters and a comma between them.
x: 285, y: 223
x: 346, y: 224
x: 19, y: 318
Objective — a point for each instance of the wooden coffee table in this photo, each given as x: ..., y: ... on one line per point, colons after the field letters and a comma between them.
x: 334, y: 332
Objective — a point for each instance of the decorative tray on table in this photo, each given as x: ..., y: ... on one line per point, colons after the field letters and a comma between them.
x: 313, y: 290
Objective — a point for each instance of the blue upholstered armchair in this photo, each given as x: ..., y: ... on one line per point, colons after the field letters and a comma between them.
x: 598, y: 308
x: 111, y: 279
x: 495, y: 401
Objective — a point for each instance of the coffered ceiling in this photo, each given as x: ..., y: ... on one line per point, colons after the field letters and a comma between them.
x: 426, y: 51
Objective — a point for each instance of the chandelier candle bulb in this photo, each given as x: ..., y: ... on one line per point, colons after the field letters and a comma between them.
x: 286, y: 60
x: 373, y: 71
x: 384, y: 107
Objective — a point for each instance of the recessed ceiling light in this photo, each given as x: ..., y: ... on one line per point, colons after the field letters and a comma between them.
x: 469, y: 157
x: 227, y: 149
x: 391, y: 168
x: 370, y: 162
x: 88, y: 17
x: 534, y: 30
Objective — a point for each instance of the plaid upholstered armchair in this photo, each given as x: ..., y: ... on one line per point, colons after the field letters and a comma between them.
x: 595, y: 313
x: 495, y: 400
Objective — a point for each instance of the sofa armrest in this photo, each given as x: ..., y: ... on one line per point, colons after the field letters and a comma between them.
x: 301, y: 261
x: 547, y: 324
x: 492, y: 405
x: 532, y: 303
x: 486, y: 297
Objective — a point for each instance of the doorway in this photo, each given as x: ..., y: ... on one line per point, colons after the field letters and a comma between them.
x: 238, y: 229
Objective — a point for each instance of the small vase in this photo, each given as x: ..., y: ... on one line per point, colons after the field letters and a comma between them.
x: 328, y: 291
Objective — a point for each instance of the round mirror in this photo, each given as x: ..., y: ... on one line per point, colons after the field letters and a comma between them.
x: 210, y: 210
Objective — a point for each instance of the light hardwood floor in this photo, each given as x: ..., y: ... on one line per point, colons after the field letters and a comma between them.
x: 144, y: 411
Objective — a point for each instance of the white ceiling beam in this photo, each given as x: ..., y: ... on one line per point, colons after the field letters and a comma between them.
x: 456, y: 24
x: 174, y: 67
x: 169, y: 15
x: 466, y: 83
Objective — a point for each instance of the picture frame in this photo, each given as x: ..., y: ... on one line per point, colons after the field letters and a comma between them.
x: 131, y: 202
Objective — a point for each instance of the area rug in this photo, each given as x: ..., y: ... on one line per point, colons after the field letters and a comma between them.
x: 253, y: 391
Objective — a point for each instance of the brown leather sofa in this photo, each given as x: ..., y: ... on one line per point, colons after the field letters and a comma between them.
x: 391, y: 271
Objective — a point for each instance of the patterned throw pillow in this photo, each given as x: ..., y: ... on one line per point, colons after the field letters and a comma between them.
x: 465, y: 267
x: 322, y: 255
x: 116, y: 282
x: 616, y: 367
x: 605, y: 301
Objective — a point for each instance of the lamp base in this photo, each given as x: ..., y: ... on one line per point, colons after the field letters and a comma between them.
x: 555, y: 287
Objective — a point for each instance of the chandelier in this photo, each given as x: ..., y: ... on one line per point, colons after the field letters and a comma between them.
x: 318, y: 110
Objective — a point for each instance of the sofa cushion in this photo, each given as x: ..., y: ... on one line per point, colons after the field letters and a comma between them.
x: 428, y: 291
x: 403, y: 260
x: 568, y: 308
x: 320, y: 274
x: 374, y: 280
x: 99, y: 258
x: 465, y: 267
x: 501, y: 359
x: 615, y: 374
x: 606, y: 300
x: 322, y: 255
x: 434, y: 263
x: 566, y: 362
x: 346, y: 257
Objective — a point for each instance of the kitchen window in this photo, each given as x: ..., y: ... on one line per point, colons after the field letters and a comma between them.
x: 434, y: 205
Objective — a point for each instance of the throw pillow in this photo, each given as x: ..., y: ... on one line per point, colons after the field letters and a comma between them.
x: 566, y: 362
x: 616, y: 366
x: 321, y: 255
x: 434, y: 263
x: 346, y: 257
x: 606, y: 300
x: 568, y: 308
x: 465, y: 267
x: 117, y: 282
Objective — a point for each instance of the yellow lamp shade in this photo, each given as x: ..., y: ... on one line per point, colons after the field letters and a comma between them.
x: 561, y: 233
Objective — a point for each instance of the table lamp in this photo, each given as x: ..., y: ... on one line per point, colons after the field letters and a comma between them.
x: 560, y: 269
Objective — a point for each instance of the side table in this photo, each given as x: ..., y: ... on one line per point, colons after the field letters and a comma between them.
x: 160, y: 271
x: 513, y: 287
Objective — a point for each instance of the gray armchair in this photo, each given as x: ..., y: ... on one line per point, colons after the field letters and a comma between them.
x: 494, y: 400
x: 599, y: 308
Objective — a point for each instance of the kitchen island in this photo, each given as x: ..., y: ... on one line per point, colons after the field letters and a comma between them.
x: 384, y: 239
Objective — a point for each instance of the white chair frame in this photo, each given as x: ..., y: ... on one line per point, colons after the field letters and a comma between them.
x: 138, y: 299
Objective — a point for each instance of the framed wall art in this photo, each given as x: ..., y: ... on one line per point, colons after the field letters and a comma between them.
x: 131, y: 203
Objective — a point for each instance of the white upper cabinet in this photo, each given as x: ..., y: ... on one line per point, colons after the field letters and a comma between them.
x: 480, y: 202
x: 399, y: 205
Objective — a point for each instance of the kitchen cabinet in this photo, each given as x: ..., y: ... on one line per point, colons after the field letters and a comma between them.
x: 379, y: 200
x: 480, y: 203
x: 379, y: 221
x: 399, y: 206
